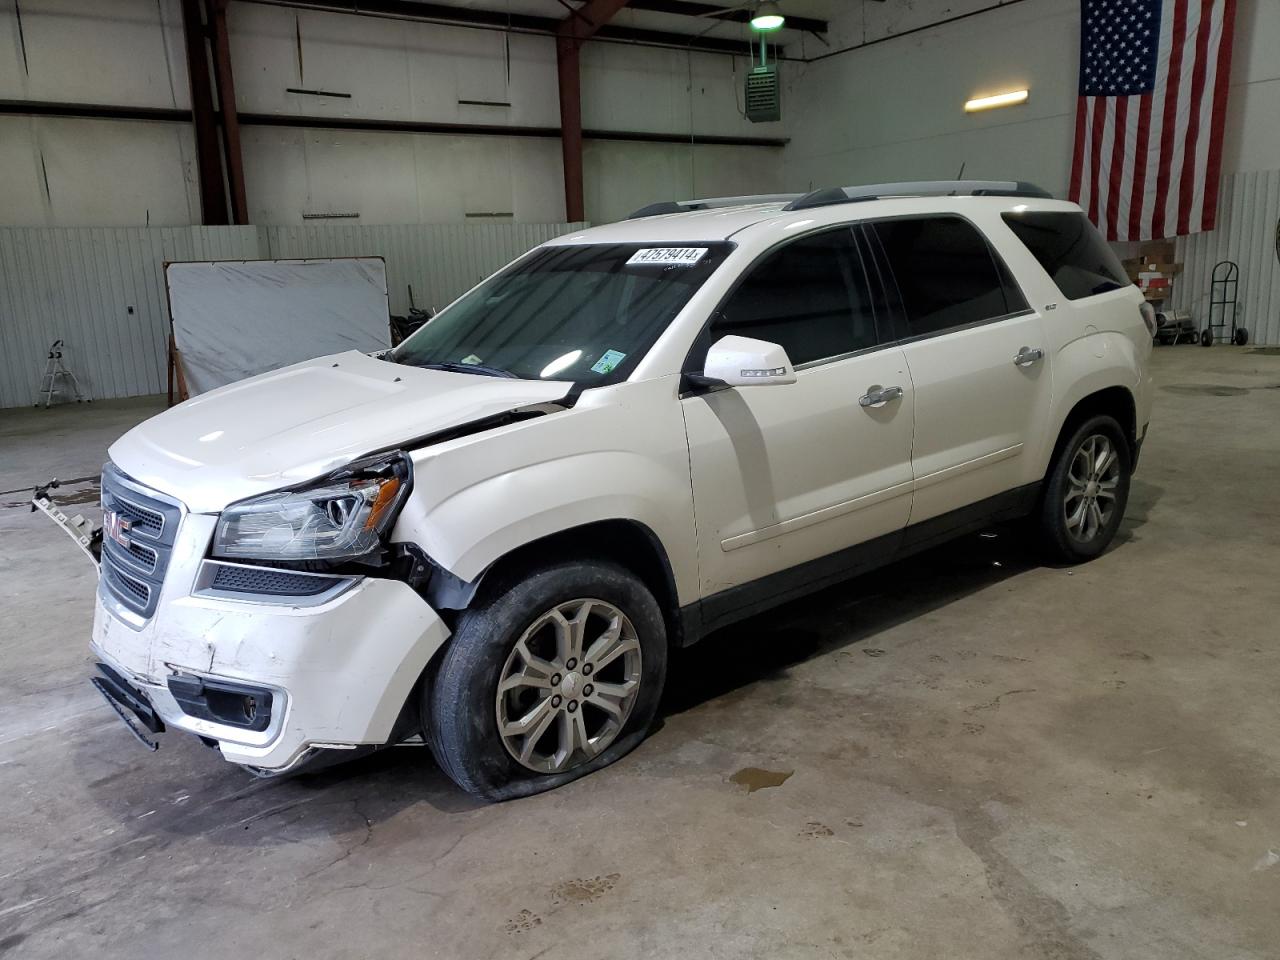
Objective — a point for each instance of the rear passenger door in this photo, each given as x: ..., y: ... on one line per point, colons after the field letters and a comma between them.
x: 788, y: 474
x: 978, y: 361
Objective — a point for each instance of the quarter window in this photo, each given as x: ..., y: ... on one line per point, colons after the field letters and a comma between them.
x: 809, y: 296
x: 947, y: 274
x: 1071, y: 251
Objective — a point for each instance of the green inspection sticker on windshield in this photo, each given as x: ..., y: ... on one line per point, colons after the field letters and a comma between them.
x: 608, y: 361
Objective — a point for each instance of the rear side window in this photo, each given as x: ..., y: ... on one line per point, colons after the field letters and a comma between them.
x: 809, y: 296
x: 1071, y: 251
x: 947, y: 274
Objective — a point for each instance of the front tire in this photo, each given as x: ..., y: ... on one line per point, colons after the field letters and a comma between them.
x: 1086, y: 491
x: 555, y: 673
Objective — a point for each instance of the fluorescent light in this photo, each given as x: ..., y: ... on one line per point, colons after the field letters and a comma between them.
x: 767, y: 17
x: 999, y: 100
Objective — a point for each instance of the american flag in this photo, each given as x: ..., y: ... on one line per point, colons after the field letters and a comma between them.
x: 1153, y: 95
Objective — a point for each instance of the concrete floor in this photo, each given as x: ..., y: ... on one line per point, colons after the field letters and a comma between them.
x: 979, y: 758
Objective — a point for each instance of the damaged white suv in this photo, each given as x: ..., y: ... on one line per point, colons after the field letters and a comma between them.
x: 491, y: 536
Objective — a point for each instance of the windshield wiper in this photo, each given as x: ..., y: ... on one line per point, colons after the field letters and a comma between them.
x: 479, y: 368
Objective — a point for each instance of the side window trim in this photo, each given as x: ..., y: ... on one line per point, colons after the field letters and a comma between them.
x: 888, y: 298
x: 1003, y: 273
x: 692, y: 363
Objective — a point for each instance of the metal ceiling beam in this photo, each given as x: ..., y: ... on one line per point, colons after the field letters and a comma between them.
x: 104, y: 111
x: 515, y: 23
x: 715, y: 11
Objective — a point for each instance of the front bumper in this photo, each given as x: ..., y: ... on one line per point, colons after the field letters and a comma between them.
x: 338, y: 673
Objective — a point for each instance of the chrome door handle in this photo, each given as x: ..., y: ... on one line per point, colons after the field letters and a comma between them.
x: 1027, y: 356
x: 879, y: 396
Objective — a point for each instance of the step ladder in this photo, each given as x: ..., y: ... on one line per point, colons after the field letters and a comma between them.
x: 54, y: 371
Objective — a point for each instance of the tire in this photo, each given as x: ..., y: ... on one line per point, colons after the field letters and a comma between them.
x: 462, y: 705
x: 1206, y: 338
x: 1069, y: 484
x: 1240, y: 337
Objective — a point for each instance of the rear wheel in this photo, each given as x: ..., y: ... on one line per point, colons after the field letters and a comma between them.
x: 555, y: 675
x: 1086, y: 491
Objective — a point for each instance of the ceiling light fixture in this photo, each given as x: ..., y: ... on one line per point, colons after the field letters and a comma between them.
x: 767, y: 17
x: 998, y: 100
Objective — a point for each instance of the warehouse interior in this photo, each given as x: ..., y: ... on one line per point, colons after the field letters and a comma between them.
x: 967, y: 753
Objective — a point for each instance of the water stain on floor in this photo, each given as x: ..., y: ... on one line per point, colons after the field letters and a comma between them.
x: 523, y: 922
x: 584, y: 891
x: 89, y: 495
x: 754, y: 778
x: 1206, y: 389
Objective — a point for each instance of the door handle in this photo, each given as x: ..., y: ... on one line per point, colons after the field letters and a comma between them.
x: 879, y: 396
x: 1027, y: 356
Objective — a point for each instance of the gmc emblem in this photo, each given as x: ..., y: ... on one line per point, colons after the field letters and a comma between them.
x: 116, y: 527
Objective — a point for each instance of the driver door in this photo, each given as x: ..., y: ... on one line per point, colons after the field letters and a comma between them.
x: 788, y: 477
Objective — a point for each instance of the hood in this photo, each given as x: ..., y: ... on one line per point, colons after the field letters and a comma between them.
x: 300, y: 422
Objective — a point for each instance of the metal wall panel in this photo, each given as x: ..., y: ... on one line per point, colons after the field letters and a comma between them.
x: 1248, y: 214
x: 101, y: 289
x: 440, y: 261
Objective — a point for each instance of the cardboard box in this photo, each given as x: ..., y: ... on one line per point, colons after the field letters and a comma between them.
x: 1157, y: 250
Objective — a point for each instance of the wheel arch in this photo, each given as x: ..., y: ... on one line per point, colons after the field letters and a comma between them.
x: 629, y: 543
x: 1115, y: 401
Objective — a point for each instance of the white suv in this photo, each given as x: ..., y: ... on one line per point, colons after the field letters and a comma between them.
x: 491, y: 536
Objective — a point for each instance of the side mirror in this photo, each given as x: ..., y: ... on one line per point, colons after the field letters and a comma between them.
x: 747, y: 362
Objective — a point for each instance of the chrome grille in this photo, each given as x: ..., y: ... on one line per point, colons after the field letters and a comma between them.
x: 139, y: 529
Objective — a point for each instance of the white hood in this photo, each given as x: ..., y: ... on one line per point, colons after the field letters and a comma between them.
x: 300, y: 422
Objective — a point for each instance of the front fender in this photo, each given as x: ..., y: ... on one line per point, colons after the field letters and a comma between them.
x: 477, y: 500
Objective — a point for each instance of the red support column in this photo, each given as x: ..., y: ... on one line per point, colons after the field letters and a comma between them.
x: 213, y: 199
x: 225, y: 81
x: 572, y: 33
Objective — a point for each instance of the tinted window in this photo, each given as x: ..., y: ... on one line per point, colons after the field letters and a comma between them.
x: 947, y: 275
x: 810, y: 296
x: 1071, y: 251
x: 586, y: 312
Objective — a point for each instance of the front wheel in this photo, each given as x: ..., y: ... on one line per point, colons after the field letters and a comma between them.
x: 557, y: 673
x: 1086, y: 491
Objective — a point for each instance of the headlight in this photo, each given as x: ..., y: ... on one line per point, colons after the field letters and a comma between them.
x: 343, y: 517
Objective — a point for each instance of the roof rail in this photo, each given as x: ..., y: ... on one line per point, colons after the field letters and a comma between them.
x: 919, y: 188
x: 711, y: 203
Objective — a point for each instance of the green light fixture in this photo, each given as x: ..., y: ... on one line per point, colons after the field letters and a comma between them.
x: 767, y: 17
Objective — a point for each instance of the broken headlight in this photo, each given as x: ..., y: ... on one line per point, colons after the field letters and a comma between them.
x: 342, y: 517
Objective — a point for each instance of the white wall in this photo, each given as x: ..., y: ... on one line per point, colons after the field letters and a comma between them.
x: 895, y: 110
x: 131, y: 52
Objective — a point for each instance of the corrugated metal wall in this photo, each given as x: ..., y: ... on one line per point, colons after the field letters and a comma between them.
x: 102, y: 289
x: 440, y: 261
x: 1248, y: 220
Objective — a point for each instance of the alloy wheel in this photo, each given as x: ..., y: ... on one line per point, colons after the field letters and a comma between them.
x: 568, y: 685
x: 1093, y: 479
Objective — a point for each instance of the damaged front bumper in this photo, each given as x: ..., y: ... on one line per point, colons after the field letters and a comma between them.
x: 270, y: 684
x: 267, y: 678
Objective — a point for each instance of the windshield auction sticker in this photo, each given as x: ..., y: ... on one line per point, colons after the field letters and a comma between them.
x: 608, y: 361
x: 667, y: 256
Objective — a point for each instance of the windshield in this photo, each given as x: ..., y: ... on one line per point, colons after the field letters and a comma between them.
x: 584, y: 313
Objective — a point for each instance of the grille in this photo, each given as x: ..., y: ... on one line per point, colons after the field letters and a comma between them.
x: 144, y: 558
x: 123, y: 583
x: 141, y: 520
x: 275, y: 583
x: 133, y: 566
